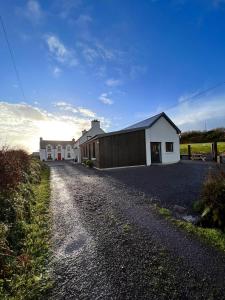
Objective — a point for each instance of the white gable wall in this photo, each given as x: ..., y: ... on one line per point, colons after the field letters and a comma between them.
x: 42, y: 154
x: 162, y: 131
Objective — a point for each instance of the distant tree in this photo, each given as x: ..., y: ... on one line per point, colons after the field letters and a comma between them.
x: 214, y: 135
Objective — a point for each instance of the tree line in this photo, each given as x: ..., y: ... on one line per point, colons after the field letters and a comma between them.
x: 214, y: 135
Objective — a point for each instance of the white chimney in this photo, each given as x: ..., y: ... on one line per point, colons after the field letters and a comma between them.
x: 95, y: 124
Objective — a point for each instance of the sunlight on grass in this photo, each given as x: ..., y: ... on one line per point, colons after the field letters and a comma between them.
x: 201, y: 148
x: 212, y: 236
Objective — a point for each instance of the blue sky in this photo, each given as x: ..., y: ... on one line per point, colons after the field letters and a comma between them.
x: 118, y: 61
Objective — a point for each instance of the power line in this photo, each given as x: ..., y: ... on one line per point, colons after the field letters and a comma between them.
x: 12, y: 57
x: 196, y: 95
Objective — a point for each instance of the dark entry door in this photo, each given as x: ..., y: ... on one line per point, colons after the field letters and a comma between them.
x: 59, y: 156
x: 156, y: 152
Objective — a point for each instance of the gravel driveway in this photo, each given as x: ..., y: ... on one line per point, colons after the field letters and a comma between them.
x: 167, y: 184
x: 110, y: 244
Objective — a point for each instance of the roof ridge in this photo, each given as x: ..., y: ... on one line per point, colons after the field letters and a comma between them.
x: 155, y: 116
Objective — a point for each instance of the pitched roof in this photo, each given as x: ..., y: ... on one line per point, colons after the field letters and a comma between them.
x: 151, y: 121
x: 44, y: 143
x: 138, y: 126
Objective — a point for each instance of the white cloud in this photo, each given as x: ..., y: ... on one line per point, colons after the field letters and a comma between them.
x: 23, y: 124
x: 104, y: 98
x: 192, y: 115
x: 32, y: 11
x: 84, y: 112
x: 59, y: 51
x: 66, y: 107
x: 113, y: 82
x: 56, y: 72
x: 104, y: 52
x: 188, y: 96
x: 94, y: 50
x: 67, y: 7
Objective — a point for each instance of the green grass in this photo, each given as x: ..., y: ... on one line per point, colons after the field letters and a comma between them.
x: 211, y: 236
x: 201, y: 148
x: 126, y: 228
x: 29, y: 272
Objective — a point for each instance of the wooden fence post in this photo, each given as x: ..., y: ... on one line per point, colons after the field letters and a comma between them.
x: 214, y: 151
x: 189, y: 152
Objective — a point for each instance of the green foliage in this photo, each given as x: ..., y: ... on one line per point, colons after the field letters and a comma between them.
x: 212, y: 236
x: 89, y: 163
x: 164, y: 212
x: 213, y: 200
x: 126, y: 228
x: 24, y: 236
x: 198, y: 206
x: 210, y: 136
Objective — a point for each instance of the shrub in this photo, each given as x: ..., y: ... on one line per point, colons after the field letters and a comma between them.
x: 24, y: 245
x: 13, y: 167
x: 89, y: 163
x: 213, y: 200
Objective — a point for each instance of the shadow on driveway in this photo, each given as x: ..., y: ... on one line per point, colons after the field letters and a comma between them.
x: 179, y: 183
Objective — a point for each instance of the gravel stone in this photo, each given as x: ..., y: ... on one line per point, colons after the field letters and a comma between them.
x: 109, y: 243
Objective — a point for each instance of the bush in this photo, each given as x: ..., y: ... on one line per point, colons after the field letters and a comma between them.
x: 213, y: 200
x: 89, y: 163
x: 13, y: 167
x: 24, y: 200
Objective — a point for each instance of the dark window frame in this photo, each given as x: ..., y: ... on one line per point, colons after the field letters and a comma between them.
x: 89, y: 151
x: 93, y: 149
x: 169, y: 147
x: 49, y: 148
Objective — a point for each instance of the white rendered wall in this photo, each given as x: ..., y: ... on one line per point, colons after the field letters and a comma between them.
x: 54, y: 152
x: 163, y: 132
x: 42, y: 154
x: 70, y: 151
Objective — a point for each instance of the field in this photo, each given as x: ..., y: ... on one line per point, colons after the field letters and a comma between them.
x: 201, y: 148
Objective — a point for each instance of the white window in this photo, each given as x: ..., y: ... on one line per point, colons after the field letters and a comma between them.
x: 68, y: 148
x: 59, y: 148
x: 68, y: 155
x: 49, y: 148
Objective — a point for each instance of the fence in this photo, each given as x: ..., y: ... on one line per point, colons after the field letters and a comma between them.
x: 207, y: 152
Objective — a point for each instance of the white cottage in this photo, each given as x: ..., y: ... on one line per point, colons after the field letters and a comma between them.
x: 86, y: 135
x: 56, y: 150
x: 155, y: 140
x: 162, y: 139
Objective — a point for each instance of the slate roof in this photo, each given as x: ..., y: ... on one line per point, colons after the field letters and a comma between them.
x: 147, y: 123
x: 44, y: 143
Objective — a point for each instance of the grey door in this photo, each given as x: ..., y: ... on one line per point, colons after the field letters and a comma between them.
x: 156, y: 152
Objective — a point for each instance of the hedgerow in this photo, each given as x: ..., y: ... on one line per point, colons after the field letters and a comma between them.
x: 24, y: 230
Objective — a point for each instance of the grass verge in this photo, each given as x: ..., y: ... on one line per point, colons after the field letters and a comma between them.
x: 28, y: 276
x: 211, y: 236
